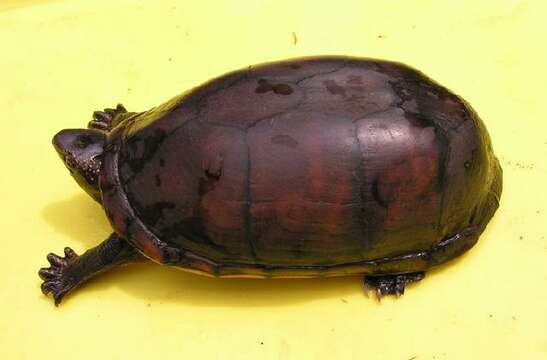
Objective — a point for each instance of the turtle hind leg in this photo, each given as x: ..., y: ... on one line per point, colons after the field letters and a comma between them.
x: 390, y: 284
x: 104, y: 120
x: 68, y: 272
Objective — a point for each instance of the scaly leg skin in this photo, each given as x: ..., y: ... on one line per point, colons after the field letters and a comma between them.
x: 70, y: 271
x: 104, y: 120
x: 390, y: 284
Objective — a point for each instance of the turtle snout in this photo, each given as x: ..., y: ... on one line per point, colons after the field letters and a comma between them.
x: 63, y: 139
x: 79, y: 143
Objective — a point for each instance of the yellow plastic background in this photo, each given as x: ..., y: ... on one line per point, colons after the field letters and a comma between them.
x: 60, y: 60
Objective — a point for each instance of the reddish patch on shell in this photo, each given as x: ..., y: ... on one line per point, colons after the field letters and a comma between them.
x: 305, y: 195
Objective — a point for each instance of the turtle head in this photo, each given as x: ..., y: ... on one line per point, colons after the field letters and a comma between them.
x: 82, y: 151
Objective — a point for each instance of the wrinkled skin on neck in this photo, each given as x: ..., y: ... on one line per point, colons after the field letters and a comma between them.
x: 81, y: 151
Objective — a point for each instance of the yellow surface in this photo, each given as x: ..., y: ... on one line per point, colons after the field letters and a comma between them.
x: 60, y: 60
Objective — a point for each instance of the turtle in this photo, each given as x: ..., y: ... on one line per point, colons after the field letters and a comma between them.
x: 305, y: 167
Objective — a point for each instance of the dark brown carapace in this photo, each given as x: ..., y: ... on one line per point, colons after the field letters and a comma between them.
x: 323, y: 166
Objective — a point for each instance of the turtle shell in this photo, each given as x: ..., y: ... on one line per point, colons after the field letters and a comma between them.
x: 314, y: 163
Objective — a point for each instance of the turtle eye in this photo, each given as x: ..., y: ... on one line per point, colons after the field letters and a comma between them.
x: 83, y: 141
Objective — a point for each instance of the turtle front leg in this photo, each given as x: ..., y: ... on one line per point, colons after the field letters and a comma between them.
x: 70, y: 271
x: 390, y: 284
x: 104, y: 120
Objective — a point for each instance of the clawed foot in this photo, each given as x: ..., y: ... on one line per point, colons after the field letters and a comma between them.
x: 56, y: 278
x: 104, y: 120
x: 390, y: 284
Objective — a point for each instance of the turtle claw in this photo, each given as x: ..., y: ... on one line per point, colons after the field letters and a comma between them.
x: 56, y: 278
x: 104, y: 120
x: 367, y: 288
x: 47, y: 274
x: 379, y: 294
x: 390, y: 284
x: 70, y: 254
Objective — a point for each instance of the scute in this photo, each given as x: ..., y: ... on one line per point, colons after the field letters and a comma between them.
x: 313, y: 162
